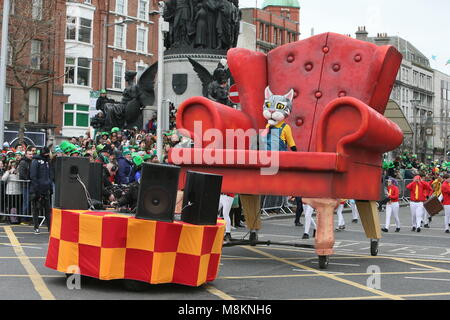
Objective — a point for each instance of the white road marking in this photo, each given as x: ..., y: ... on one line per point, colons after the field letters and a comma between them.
x: 11, y: 245
x: 435, y: 279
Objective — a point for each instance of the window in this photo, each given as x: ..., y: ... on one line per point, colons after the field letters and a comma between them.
x: 36, y: 10
x: 118, y: 75
x: 88, y: 1
x: 79, y: 29
x: 84, y: 34
x: 121, y: 6
x: 76, y: 115
x: 261, y: 31
x: 33, y: 105
x: 35, y: 54
x: 141, y: 45
x: 119, y: 38
x: 140, y: 69
x: 143, y: 11
x: 267, y: 33
x: 71, y: 28
x: 78, y: 71
x: 7, y: 106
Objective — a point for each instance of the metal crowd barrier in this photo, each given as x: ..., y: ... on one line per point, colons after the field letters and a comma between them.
x: 15, y: 200
x: 275, y: 203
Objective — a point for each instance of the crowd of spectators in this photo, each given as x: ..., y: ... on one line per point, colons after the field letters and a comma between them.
x: 407, y: 166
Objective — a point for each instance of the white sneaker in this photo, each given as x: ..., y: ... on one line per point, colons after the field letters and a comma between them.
x: 36, y: 231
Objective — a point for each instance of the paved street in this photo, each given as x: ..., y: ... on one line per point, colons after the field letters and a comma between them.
x: 410, y: 266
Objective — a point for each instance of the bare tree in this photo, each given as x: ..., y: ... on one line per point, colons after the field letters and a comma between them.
x: 33, y: 29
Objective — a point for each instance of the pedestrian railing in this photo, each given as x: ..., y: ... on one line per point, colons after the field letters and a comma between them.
x: 275, y: 203
x: 15, y: 200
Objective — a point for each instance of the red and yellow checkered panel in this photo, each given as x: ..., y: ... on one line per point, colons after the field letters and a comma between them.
x: 111, y: 246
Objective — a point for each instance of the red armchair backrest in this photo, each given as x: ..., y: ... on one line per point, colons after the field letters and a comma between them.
x: 319, y: 69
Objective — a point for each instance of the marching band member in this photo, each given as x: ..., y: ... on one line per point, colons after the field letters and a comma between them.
x: 418, y: 190
x: 392, y: 206
x: 308, y: 220
x: 341, y: 221
x: 445, y: 188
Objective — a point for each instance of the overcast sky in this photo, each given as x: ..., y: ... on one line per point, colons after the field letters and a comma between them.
x: 424, y: 23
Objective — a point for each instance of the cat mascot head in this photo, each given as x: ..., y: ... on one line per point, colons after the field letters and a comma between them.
x: 277, y: 108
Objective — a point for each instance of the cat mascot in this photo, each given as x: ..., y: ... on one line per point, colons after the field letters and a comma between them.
x: 276, y: 137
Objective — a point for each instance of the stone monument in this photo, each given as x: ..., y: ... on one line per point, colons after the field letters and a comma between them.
x: 200, y: 30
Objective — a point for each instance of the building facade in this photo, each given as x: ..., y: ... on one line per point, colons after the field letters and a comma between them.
x: 277, y: 23
x: 442, y: 115
x: 413, y: 91
x: 95, y: 43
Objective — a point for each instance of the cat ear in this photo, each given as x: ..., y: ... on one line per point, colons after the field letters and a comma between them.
x: 290, y: 95
x: 267, y: 93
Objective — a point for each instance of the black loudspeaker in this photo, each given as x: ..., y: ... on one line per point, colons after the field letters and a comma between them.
x: 95, y: 187
x: 201, y: 198
x: 157, y: 194
x: 69, y: 192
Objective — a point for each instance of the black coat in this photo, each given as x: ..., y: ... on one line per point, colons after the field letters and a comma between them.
x: 24, y: 169
x: 40, y: 174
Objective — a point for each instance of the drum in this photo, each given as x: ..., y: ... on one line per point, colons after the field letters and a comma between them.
x: 433, y: 206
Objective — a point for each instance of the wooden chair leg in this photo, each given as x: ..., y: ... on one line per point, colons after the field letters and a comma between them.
x: 370, y: 218
x: 325, y: 224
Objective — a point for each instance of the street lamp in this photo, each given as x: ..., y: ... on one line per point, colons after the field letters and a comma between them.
x: 105, y: 44
x: 159, y: 140
x: 3, y: 61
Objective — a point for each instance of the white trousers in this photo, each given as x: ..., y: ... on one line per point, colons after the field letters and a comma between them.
x: 355, y: 213
x: 392, y: 207
x: 341, y: 221
x: 447, y: 216
x: 308, y: 218
x: 226, y: 202
x: 417, y: 214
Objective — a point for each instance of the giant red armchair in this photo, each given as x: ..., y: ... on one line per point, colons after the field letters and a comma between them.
x: 342, y: 87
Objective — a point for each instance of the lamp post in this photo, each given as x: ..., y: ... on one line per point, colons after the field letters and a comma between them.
x: 105, y: 44
x: 3, y: 62
x: 160, y: 80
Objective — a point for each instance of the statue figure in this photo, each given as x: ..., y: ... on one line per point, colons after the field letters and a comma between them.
x: 215, y: 86
x: 182, y: 25
x: 128, y: 113
x: 224, y: 25
x: 236, y: 21
x: 201, y: 30
x: 169, y: 16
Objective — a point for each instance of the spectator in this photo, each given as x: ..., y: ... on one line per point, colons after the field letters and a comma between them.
x: 41, y: 188
x: 124, y: 174
x: 13, y: 191
x: 24, y: 175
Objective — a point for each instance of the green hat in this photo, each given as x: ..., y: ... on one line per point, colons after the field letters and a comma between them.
x: 391, y: 165
x: 100, y: 147
x: 105, y: 133
x: 75, y: 151
x: 115, y: 129
x: 64, y: 146
x: 103, y: 91
x: 409, y: 166
x: 126, y: 152
x: 147, y: 156
x: 138, y: 160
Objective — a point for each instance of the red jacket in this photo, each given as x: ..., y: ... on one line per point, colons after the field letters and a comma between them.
x: 446, y: 193
x: 393, y: 193
x: 420, y: 193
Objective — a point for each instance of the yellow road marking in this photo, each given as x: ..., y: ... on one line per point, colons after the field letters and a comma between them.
x: 420, y: 265
x: 327, y: 275
x: 211, y: 289
x: 35, y: 277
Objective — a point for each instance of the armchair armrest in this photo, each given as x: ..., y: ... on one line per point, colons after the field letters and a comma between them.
x: 352, y: 128
x: 212, y: 124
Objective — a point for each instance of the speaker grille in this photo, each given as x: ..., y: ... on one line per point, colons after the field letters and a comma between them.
x: 157, y: 200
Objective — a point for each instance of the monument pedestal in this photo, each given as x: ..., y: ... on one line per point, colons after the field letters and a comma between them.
x: 179, y: 73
